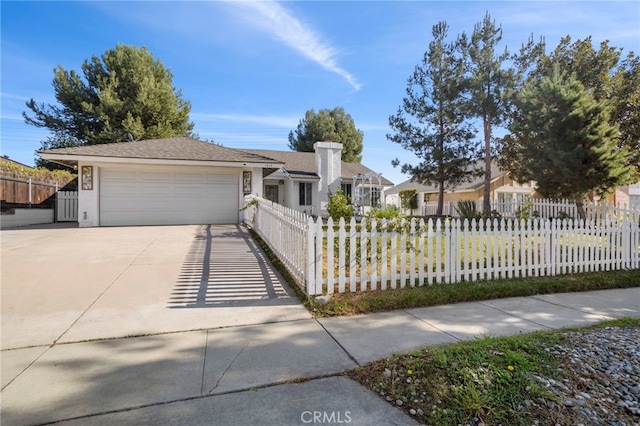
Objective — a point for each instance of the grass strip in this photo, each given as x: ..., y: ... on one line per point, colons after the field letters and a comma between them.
x: 487, y: 381
x: 442, y: 294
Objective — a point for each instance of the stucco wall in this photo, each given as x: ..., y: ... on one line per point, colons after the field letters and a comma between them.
x: 25, y: 217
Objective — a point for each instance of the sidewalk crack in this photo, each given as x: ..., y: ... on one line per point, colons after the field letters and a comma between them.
x: 515, y: 315
x: 431, y: 325
x: 351, y: 357
x: 204, y: 363
x: 227, y: 369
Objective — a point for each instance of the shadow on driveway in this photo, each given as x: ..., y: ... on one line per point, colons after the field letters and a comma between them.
x: 225, y: 268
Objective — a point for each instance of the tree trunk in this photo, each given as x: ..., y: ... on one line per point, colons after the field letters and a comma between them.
x: 440, y: 198
x: 486, y: 200
x: 580, y: 207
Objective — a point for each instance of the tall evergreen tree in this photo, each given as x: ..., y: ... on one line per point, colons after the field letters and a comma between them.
x: 492, y: 80
x: 607, y: 76
x: 124, y: 92
x: 566, y: 142
x: 328, y: 125
x: 429, y: 122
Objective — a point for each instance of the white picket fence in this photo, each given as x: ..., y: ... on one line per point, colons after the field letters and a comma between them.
x: 283, y: 229
x: 365, y: 256
x: 67, y: 206
x: 539, y: 208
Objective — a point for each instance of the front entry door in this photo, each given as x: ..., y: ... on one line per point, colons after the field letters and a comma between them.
x: 272, y: 193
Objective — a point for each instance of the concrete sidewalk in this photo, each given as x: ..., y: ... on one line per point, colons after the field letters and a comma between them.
x: 270, y: 374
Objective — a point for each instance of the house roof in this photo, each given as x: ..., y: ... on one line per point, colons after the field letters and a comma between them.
x: 178, y: 148
x: 302, y: 165
x: 6, y: 159
x: 470, y: 185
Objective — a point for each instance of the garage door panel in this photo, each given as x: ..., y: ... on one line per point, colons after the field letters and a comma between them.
x: 156, y: 197
x: 189, y: 177
x: 223, y: 179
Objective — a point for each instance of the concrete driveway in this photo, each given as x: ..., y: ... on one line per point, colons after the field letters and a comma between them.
x: 62, y: 284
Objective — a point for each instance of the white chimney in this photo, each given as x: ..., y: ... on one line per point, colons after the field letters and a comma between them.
x: 329, y: 168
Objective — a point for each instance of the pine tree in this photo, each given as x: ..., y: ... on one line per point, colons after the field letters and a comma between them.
x: 125, y: 93
x: 493, y: 78
x: 566, y: 142
x: 429, y: 122
x: 328, y: 125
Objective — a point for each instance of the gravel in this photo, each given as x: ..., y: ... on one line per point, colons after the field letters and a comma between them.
x: 601, y: 376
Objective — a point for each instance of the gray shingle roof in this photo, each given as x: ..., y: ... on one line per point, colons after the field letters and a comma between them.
x: 471, y: 185
x: 179, y: 148
x: 303, y: 164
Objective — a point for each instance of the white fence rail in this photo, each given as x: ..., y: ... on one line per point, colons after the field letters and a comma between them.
x: 284, y: 230
x: 542, y: 208
x: 350, y: 257
x: 67, y: 206
x: 362, y: 257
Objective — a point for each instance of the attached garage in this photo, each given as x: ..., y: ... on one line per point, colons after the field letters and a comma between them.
x: 172, y: 181
x: 167, y: 196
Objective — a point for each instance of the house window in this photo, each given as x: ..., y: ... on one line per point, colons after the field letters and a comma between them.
x: 369, y: 196
x: 375, y: 197
x: 346, y: 190
x: 305, y: 194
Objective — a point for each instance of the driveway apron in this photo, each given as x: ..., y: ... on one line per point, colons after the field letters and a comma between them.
x: 70, y: 285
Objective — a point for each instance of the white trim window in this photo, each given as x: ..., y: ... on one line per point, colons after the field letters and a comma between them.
x: 305, y: 191
x: 346, y: 190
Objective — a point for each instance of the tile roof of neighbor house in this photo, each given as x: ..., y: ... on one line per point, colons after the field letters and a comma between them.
x: 178, y: 148
x: 474, y: 183
x: 303, y: 164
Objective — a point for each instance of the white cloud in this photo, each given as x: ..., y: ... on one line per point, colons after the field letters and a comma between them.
x: 280, y: 24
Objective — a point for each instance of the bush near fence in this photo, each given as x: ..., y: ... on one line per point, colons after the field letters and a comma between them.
x: 350, y: 257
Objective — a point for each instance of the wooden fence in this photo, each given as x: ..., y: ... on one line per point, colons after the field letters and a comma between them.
x: 16, y: 189
x: 350, y: 257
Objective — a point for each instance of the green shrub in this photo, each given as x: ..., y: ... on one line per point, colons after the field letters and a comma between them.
x: 338, y: 207
x: 63, y: 177
x: 387, y: 212
x: 467, y: 210
x: 409, y: 199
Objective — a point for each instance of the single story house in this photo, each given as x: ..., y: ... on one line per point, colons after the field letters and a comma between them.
x: 504, y: 191
x: 184, y: 181
x: 307, y: 179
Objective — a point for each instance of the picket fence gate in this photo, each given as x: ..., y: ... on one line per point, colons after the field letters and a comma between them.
x: 67, y: 206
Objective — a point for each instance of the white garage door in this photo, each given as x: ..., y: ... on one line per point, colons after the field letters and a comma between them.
x: 171, y: 196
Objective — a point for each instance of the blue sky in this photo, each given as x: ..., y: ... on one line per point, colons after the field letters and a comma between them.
x: 251, y: 70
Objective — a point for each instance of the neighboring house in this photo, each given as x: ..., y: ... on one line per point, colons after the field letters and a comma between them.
x: 184, y: 181
x: 504, y: 190
x: 307, y: 179
x: 6, y: 159
x: 628, y: 195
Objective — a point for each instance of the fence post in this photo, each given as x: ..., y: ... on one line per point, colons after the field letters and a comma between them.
x: 311, y: 258
x: 55, y: 205
x: 29, y: 192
